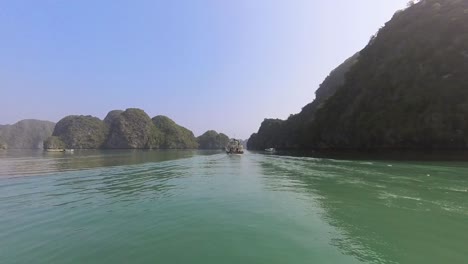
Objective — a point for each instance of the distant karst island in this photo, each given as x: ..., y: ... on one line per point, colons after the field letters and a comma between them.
x: 129, y: 129
x: 407, y: 89
x: 25, y: 134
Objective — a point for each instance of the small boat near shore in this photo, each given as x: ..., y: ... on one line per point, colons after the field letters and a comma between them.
x: 234, y: 147
x: 54, y: 150
x: 270, y: 150
x: 59, y: 150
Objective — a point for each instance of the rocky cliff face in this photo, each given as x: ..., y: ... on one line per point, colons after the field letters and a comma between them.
x: 25, y: 134
x: 212, y: 140
x: 112, y: 116
x: 131, y: 129
x: 291, y: 133
x: 81, y: 132
x: 407, y: 89
x: 174, y: 136
x: 54, y: 142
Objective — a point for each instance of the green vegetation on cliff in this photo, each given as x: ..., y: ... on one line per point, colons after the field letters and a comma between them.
x: 212, y: 140
x: 406, y: 90
x: 409, y: 88
x: 173, y: 136
x: 81, y: 132
x: 25, y: 134
x: 131, y: 129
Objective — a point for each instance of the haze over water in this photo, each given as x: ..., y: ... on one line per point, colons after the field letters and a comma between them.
x: 208, y: 207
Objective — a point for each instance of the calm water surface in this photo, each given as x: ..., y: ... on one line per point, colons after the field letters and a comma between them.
x: 207, y: 207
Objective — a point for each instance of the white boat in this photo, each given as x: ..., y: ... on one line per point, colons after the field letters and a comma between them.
x: 270, y: 150
x: 234, y: 147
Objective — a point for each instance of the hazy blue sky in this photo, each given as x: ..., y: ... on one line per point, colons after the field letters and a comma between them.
x: 207, y: 64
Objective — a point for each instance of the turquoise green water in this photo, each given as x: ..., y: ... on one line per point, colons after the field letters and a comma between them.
x: 207, y: 207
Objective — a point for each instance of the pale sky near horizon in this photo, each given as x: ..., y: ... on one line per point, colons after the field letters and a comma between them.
x: 207, y: 64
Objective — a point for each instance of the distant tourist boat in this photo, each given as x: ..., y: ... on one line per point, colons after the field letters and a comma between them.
x: 270, y: 150
x: 234, y: 147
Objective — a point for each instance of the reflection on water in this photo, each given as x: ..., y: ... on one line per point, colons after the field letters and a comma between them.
x: 385, y: 212
x: 27, y: 162
x: 208, y: 207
